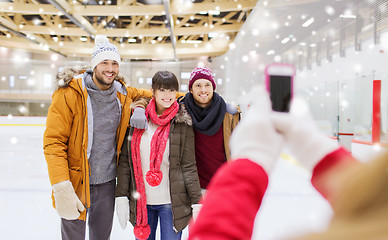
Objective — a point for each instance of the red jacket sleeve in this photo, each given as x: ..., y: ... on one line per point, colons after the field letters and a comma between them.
x: 329, y: 166
x: 230, y: 206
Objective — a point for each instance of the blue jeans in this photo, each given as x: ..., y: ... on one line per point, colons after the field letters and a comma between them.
x: 164, y: 212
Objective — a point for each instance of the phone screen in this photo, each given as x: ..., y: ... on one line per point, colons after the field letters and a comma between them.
x: 280, y: 91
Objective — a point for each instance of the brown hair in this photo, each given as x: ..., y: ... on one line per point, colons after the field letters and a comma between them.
x: 361, y: 206
x: 164, y: 79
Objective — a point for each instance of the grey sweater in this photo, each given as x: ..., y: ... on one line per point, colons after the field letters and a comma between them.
x: 106, y: 118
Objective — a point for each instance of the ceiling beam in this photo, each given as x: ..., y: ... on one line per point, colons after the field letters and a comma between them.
x: 28, y: 9
x: 64, y: 7
x: 131, y: 10
x: 117, y: 32
x: 170, y: 25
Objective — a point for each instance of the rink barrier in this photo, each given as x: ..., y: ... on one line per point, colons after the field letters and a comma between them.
x: 23, y: 124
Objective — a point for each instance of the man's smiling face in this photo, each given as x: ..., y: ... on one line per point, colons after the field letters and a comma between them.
x: 105, y: 73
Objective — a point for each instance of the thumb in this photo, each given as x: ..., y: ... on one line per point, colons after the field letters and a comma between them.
x: 80, y: 206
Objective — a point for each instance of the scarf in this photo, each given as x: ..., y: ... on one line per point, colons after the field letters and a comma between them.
x: 206, y: 120
x: 154, y: 175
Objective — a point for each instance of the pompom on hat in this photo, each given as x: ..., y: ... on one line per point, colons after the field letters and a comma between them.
x: 104, y: 50
x: 201, y: 73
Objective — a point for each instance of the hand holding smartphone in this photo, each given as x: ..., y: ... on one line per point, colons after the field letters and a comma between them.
x: 279, y: 83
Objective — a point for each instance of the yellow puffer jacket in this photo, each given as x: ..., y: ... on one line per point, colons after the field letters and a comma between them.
x: 65, y: 140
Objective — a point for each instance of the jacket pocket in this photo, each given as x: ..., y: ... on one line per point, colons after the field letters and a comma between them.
x: 77, y: 181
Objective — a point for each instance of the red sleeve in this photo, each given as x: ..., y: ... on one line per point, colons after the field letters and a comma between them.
x: 331, y: 163
x: 234, y: 196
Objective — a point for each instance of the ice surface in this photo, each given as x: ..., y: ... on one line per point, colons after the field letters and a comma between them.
x: 291, y: 205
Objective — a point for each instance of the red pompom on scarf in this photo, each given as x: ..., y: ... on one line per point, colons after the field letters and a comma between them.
x: 154, y: 176
x: 142, y: 232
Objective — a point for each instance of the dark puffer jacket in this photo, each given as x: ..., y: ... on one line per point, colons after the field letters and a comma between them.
x: 184, y: 183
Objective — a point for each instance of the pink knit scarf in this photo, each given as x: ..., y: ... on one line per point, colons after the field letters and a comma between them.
x: 154, y: 175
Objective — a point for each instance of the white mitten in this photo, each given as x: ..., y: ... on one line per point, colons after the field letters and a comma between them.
x: 122, y: 211
x: 67, y: 203
x: 138, y: 118
x: 305, y: 141
x: 255, y: 136
x: 196, y: 208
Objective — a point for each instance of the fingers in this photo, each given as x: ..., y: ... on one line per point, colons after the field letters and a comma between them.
x: 123, y: 222
x: 281, y: 121
x: 122, y: 210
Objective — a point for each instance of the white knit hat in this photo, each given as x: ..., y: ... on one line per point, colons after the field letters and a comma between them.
x: 103, y: 50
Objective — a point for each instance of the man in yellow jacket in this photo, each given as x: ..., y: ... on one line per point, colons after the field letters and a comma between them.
x: 85, y: 129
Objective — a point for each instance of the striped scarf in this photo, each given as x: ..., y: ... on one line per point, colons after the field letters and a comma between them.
x: 154, y: 175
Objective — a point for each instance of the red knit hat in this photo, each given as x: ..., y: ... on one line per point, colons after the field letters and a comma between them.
x: 201, y: 73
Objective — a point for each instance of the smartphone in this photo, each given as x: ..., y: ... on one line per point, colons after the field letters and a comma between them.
x: 279, y: 79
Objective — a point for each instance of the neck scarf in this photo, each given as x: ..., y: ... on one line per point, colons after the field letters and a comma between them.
x: 206, y: 120
x: 154, y: 175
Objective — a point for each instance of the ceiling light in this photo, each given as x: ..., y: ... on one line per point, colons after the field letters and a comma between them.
x: 245, y: 58
x: 212, y: 12
x: 348, y: 16
x: 36, y: 21
x: 285, y: 40
x: 212, y: 34
x: 271, y: 52
x: 308, y: 22
x: 330, y: 10
x: 255, y: 32
x: 191, y: 41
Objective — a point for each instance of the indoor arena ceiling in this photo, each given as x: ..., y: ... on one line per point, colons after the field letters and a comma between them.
x: 181, y: 29
x: 143, y: 29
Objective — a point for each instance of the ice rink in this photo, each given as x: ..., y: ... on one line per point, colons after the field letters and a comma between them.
x: 291, y: 206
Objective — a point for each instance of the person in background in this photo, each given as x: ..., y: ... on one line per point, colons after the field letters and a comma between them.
x: 157, y: 173
x: 356, y: 191
x: 85, y: 128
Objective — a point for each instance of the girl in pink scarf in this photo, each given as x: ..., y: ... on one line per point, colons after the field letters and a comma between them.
x: 163, y: 166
